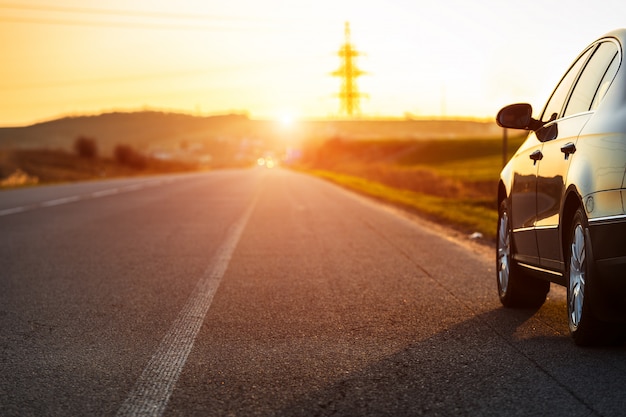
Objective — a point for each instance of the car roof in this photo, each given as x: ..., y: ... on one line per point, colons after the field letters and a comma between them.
x: 619, y: 35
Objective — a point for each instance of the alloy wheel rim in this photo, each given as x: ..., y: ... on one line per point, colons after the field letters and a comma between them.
x: 504, y: 253
x: 577, y: 277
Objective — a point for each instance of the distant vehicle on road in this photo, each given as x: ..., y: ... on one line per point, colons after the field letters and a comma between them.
x: 267, y: 162
x: 562, y: 196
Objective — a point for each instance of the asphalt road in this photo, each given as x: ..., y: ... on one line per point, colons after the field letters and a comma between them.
x: 268, y: 292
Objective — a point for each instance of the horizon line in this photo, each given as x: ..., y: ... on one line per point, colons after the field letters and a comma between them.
x: 341, y: 118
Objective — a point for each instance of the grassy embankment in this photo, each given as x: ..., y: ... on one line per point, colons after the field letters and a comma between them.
x: 31, y: 167
x: 450, y: 181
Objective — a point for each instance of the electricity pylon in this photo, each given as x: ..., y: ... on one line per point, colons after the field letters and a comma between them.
x: 349, y: 72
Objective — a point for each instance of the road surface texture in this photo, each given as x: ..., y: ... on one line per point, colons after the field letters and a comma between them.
x: 268, y: 293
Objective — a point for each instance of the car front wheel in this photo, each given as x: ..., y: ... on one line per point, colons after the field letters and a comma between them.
x: 514, y: 287
x: 584, y: 327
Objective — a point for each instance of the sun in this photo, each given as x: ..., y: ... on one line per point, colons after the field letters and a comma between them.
x: 287, y: 119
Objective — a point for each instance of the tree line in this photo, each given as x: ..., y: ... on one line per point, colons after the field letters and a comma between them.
x: 87, y: 147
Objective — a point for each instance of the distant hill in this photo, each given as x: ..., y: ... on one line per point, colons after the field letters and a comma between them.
x: 158, y: 131
x: 143, y: 130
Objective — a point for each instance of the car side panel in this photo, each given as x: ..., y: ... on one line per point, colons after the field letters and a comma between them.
x: 551, y: 182
x: 523, y: 201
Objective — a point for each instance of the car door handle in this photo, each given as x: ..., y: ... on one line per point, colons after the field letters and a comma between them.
x: 536, y: 156
x: 568, y: 149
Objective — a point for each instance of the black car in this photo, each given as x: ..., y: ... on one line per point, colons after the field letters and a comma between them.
x: 562, y: 196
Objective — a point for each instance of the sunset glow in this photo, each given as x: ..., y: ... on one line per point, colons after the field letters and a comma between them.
x: 287, y: 119
x: 449, y: 58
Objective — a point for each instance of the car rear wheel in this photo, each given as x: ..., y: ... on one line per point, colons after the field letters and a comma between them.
x: 514, y: 287
x: 584, y: 327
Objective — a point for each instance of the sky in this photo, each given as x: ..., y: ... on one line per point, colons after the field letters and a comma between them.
x: 273, y: 59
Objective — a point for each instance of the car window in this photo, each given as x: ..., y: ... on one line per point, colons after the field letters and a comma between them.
x: 557, y: 100
x: 589, y: 81
x: 606, y: 81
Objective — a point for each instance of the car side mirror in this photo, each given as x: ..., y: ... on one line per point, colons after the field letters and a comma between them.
x: 517, y: 116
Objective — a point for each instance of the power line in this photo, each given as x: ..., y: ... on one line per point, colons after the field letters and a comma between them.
x: 65, y: 83
x: 160, y: 20
x: 251, y: 66
x: 128, y: 25
x: 118, y: 12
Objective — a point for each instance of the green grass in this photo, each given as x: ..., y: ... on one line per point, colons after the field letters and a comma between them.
x: 478, y: 169
x: 467, y: 160
x: 465, y: 214
x: 450, y: 181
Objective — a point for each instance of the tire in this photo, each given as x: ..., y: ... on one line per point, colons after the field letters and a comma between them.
x: 585, y: 329
x: 515, y: 288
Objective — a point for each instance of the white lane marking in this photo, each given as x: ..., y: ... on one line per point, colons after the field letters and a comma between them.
x: 134, y: 187
x: 154, y: 387
x: 14, y: 210
x: 104, y: 193
x: 60, y: 201
x: 95, y: 194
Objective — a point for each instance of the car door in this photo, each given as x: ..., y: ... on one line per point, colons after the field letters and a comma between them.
x: 524, y: 200
x: 560, y: 137
x: 526, y: 164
